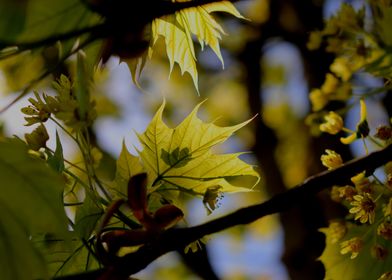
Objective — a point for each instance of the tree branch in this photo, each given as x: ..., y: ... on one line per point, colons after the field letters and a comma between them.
x: 23, y: 46
x: 178, y: 238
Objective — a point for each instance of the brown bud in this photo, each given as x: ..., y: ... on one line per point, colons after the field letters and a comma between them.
x: 384, y: 132
x: 118, y: 238
x: 137, y: 195
x: 167, y: 216
x: 379, y: 252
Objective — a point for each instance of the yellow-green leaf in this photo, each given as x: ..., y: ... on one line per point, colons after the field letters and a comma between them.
x: 127, y: 166
x: 182, y: 157
x: 179, y: 45
x: 178, y: 28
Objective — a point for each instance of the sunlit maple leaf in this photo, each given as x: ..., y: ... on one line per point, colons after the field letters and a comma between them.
x: 181, y: 157
x: 177, y: 29
x: 127, y: 166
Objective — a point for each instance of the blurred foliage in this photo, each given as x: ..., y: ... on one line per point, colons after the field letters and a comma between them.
x: 30, y: 204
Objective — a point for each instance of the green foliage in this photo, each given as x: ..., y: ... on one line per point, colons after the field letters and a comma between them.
x: 30, y: 202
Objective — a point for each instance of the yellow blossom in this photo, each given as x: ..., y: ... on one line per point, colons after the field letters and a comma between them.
x: 330, y: 85
x: 386, y: 276
x: 388, y: 208
x: 341, y: 68
x: 349, y: 139
x: 353, y: 246
x: 343, y: 92
x: 389, y: 180
x: 385, y: 230
x: 315, y: 40
x: 362, y: 127
x: 388, y: 167
x: 359, y: 178
x: 333, y: 124
x: 388, y: 171
x: 361, y: 182
x: 337, y: 230
x: 211, y: 198
x: 364, y: 208
x: 343, y: 193
x: 318, y: 99
x: 38, y: 138
x: 335, y: 194
x: 37, y: 112
x: 331, y: 159
x: 348, y: 193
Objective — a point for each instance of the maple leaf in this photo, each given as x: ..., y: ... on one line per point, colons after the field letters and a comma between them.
x: 127, y: 166
x: 181, y: 157
x: 177, y: 29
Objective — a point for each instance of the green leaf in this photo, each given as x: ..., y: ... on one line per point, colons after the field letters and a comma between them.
x: 17, y: 251
x: 38, y: 19
x: 178, y: 28
x: 384, y: 25
x: 82, y: 87
x: 56, y: 161
x: 366, y: 265
x: 87, y: 217
x: 182, y: 157
x: 12, y: 19
x: 127, y: 166
x: 65, y: 257
x: 30, y: 202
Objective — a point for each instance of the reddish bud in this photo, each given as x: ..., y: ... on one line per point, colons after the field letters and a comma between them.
x: 137, y: 195
x: 116, y: 239
x: 167, y: 216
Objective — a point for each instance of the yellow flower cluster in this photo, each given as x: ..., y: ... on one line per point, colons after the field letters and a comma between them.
x: 361, y: 182
x: 64, y: 106
x: 38, y: 138
x: 336, y: 230
x: 385, y: 230
x: 353, y: 246
x: 331, y: 159
x: 333, y: 124
x: 37, y: 112
x: 363, y: 208
x: 332, y: 89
